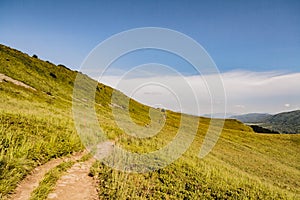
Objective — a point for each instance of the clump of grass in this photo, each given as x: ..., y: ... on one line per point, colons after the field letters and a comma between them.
x: 49, y: 181
x: 85, y: 157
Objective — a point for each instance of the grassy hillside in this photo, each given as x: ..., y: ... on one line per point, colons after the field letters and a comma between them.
x: 37, y: 125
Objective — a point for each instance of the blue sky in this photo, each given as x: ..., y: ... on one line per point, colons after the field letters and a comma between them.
x: 251, y: 35
x: 246, y: 40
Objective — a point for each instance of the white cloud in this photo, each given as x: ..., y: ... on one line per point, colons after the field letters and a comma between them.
x: 246, y: 91
x: 239, y: 106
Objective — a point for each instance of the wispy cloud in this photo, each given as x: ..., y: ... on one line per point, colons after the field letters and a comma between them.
x: 246, y: 91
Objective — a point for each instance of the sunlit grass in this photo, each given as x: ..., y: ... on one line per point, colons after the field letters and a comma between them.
x: 28, y: 141
x: 36, y: 126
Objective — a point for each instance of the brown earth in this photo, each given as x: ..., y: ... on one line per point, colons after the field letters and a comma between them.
x: 4, y: 78
x: 27, y: 185
x: 76, y: 184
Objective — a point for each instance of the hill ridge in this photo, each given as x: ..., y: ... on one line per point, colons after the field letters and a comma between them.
x: 38, y: 126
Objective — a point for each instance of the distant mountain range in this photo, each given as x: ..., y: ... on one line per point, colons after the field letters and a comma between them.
x: 252, y: 117
x: 218, y: 115
x: 286, y: 122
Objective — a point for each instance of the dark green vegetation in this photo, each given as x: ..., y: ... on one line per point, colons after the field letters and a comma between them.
x: 258, y: 129
x: 37, y: 126
x: 286, y: 122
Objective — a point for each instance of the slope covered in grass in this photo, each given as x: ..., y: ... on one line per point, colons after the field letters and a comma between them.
x: 37, y: 125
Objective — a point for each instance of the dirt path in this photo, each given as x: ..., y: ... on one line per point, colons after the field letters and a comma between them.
x: 76, y: 184
x: 104, y: 149
x: 26, y: 186
x: 4, y: 78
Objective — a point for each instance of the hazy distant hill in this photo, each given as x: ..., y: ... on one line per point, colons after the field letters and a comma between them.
x: 218, y: 115
x: 252, y: 117
x: 287, y: 122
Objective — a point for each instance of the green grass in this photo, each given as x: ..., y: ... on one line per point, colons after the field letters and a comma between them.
x: 243, y: 165
x: 36, y: 127
x: 85, y: 157
x: 48, y: 183
x: 28, y: 141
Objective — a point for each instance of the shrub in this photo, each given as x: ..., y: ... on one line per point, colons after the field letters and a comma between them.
x: 52, y: 75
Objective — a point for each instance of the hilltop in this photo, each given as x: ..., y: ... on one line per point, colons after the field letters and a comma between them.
x: 36, y: 126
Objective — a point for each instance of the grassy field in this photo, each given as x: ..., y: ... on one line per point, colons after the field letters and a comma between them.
x: 36, y: 126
